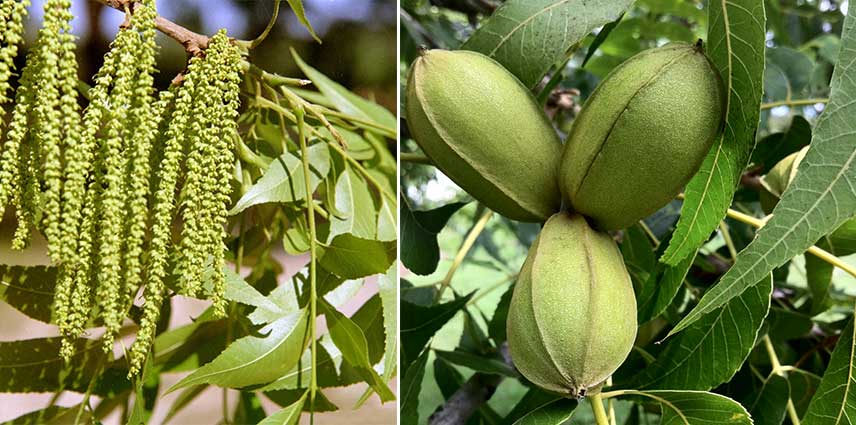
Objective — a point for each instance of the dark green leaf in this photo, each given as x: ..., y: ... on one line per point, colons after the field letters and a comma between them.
x: 660, y: 289
x: 34, y: 365
x: 488, y: 365
x: 769, y: 404
x: 554, y: 413
x: 284, y: 398
x: 420, y: 252
x: 600, y: 38
x: 411, y: 387
x: 29, y: 289
x: 352, y: 341
x: 529, y: 36
x: 54, y: 415
x: 249, y: 409
x: 419, y: 324
x: 711, y: 352
x: 835, y: 400
x: 288, y: 415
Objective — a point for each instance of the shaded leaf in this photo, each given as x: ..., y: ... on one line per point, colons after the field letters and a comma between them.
x: 835, y: 400
x: 529, y: 36
x: 768, y: 405
x: 34, y: 365
x: 420, y: 252
x: 355, y: 350
x: 483, y: 364
x: 419, y: 324
x: 411, y: 386
x: 285, y: 398
x: 29, y: 289
x: 288, y: 415
x: 660, y: 289
x: 53, y: 415
x: 713, y: 349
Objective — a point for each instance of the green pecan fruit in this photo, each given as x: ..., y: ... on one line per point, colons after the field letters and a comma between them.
x: 482, y: 128
x: 642, y: 135
x: 572, y: 318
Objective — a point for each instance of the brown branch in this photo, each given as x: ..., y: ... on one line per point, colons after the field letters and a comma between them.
x: 470, y: 397
x: 194, y: 43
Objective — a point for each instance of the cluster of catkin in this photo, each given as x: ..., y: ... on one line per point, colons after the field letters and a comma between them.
x: 102, y: 185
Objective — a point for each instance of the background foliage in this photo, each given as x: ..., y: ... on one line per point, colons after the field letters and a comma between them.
x: 741, y: 314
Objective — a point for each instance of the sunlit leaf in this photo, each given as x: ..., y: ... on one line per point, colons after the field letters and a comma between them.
x: 254, y: 360
x: 735, y: 44
x: 821, y: 197
x: 284, y: 180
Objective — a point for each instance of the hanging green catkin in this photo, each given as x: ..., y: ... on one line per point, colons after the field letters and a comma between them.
x: 145, y: 120
x: 11, y: 32
x: 161, y: 232
x: 80, y: 159
x: 114, y: 156
x: 69, y: 110
x: 229, y: 80
x: 49, y: 121
x: 12, y: 161
x: 193, y: 251
x: 81, y: 207
x: 207, y: 190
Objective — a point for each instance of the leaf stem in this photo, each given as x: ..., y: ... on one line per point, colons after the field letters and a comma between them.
x: 89, y: 389
x: 777, y: 369
x: 415, y: 158
x: 723, y: 227
x: 313, y: 295
x: 468, y: 243
x: 817, y: 252
x: 258, y: 40
x: 596, y: 402
x: 797, y: 102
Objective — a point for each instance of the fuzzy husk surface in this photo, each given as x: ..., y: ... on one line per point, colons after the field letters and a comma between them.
x: 482, y: 128
x: 572, y: 318
x: 642, y: 135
